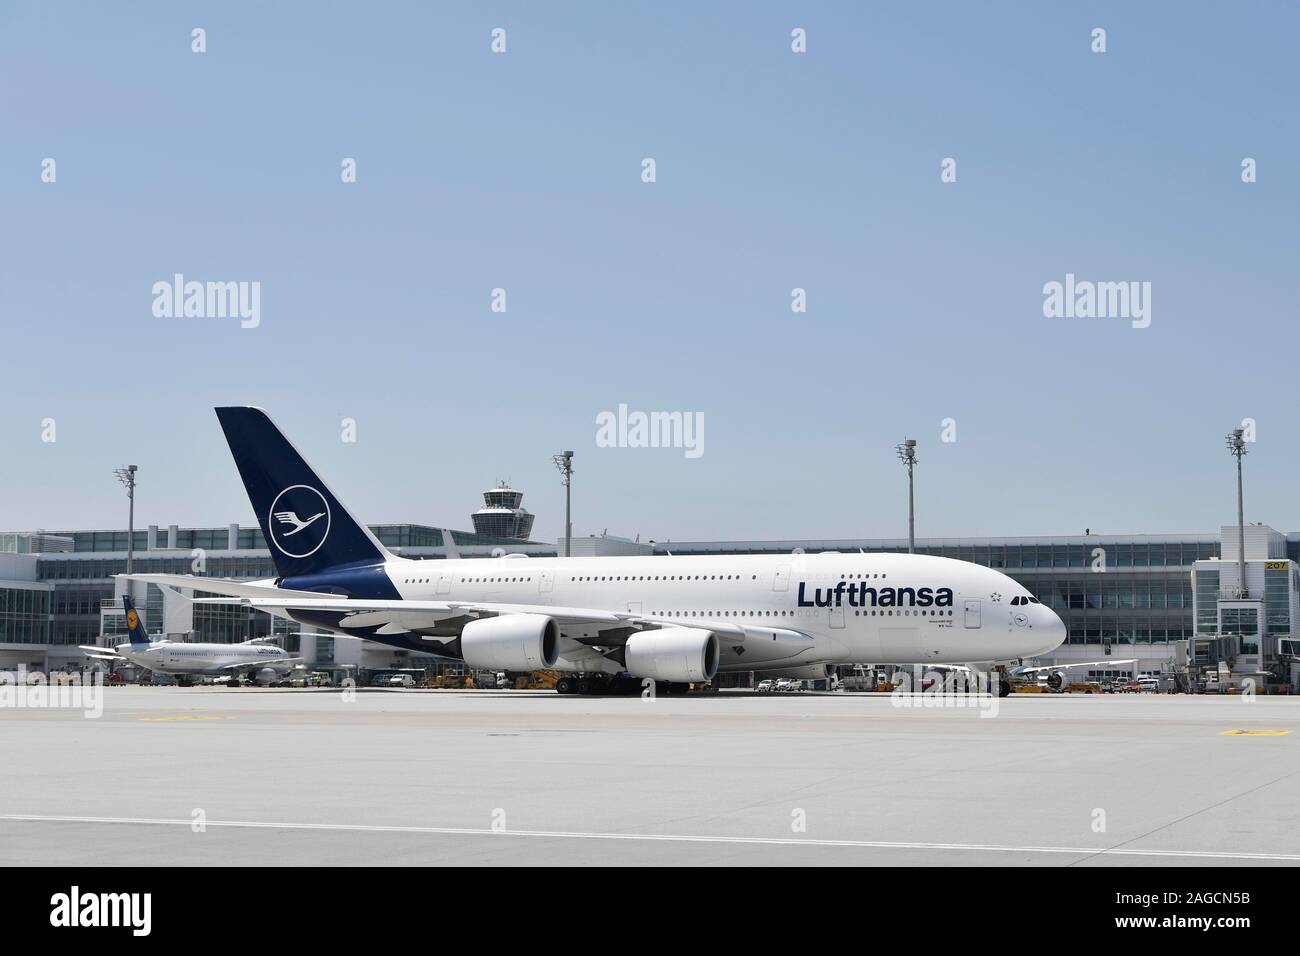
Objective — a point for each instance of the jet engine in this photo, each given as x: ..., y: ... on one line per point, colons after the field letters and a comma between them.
x: 679, y: 654
x: 264, y: 675
x: 511, y: 642
x: 806, y: 672
x: 1055, y: 680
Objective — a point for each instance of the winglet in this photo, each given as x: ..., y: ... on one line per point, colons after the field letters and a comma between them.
x: 449, y: 543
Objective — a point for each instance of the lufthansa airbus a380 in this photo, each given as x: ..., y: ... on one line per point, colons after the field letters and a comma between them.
x: 613, y: 621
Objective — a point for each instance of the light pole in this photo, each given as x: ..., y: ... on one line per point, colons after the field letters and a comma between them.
x: 564, y: 462
x: 907, y: 455
x: 1237, y: 448
x: 127, y: 477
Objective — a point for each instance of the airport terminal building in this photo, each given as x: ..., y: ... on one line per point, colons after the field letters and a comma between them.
x: 1163, y: 603
x: 57, y: 590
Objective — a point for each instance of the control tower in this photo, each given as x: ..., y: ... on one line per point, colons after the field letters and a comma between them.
x: 501, y: 515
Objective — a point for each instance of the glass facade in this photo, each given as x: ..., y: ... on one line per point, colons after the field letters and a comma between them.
x: 1207, y: 596
x: 1277, y: 600
x: 24, y: 615
x: 1240, y: 621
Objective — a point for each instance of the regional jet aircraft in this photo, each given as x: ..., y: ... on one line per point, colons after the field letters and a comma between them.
x: 609, y: 623
x: 252, y: 660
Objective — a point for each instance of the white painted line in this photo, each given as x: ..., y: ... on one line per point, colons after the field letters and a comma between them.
x: 662, y: 837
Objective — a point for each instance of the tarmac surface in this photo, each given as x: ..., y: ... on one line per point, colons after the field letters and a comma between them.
x: 214, y: 776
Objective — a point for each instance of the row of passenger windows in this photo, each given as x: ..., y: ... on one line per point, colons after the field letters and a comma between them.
x: 668, y: 577
x: 923, y: 612
x: 522, y: 580
x: 630, y: 577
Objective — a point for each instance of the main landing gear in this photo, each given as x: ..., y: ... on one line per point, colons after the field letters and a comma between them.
x: 604, y: 685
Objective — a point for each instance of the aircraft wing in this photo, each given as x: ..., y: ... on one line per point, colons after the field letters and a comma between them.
x: 1066, y: 667
x: 100, y: 653
x: 396, y: 617
x: 259, y: 663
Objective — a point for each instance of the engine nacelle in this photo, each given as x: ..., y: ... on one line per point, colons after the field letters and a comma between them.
x: 806, y: 672
x: 264, y: 675
x: 511, y: 642
x: 680, y: 654
x: 1055, y: 680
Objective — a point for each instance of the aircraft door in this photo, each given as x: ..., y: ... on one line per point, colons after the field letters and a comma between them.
x: 781, y: 580
x: 837, y: 616
x: 444, y: 584
x: 972, y: 612
x: 546, y: 584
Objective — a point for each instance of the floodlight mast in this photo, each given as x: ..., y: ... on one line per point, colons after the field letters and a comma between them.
x: 564, y: 462
x: 907, y: 455
x: 126, y: 475
x: 1237, y: 448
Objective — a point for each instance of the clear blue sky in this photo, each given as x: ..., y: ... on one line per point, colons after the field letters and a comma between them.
x: 775, y: 170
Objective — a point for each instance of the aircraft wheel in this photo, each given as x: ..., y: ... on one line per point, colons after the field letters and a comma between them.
x: 564, y: 685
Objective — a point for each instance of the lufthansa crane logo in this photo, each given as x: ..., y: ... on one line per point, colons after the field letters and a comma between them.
x: 299, y: 521
x: 132, y: 619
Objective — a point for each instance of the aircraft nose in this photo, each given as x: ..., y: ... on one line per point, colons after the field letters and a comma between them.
x: 1049, y: 631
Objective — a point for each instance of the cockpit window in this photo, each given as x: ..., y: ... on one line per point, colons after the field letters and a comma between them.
x: 1017, y: 600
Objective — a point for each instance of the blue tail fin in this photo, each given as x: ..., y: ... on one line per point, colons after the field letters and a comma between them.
x: 306, y: 527
x: 134, y: 626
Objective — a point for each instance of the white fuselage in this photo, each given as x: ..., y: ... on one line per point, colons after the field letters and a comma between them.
x: 177, y: 657
x: 795, y: 609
